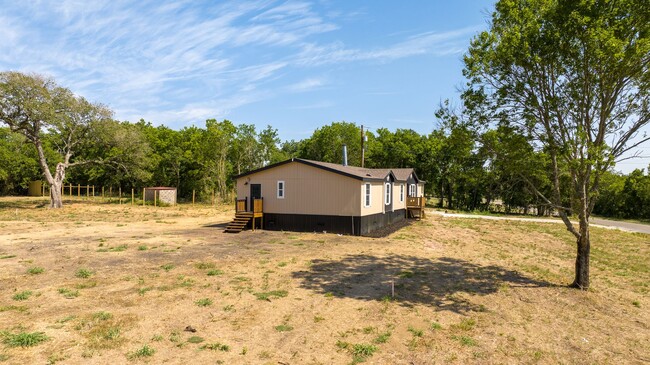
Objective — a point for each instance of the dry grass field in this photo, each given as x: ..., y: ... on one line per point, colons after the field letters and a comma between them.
x: 103, y: 283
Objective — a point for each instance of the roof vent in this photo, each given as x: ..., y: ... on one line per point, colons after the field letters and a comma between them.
x: 345, y: 155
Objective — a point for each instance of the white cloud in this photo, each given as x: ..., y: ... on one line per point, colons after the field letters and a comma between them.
x: 183, y: 60
x: 306, y: 85
x: 437, y: 43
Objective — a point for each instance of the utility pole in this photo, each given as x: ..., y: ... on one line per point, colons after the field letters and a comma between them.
x: 362, y: 146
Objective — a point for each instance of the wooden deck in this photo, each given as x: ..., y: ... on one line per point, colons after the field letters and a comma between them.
x: 415, y: 207
x: 243, y: 216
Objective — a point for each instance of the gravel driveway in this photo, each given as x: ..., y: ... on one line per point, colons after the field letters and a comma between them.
x: 596, y: 222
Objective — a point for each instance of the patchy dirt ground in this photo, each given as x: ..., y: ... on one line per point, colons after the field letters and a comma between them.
x: 118, y: 284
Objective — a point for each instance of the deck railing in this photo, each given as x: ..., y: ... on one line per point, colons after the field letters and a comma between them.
x: 240, y: 205
x: 258, y: 205
x: 415, y: 202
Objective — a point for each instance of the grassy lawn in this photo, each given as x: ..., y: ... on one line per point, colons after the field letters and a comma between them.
x: 100, y: 283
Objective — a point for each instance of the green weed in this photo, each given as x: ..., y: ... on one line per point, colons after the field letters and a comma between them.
x: 465, y: 340
x: 219, y: 347
x: 68, y: 293
x: 271, y: 294
x: 35, y: 270
x: 23, y: 295
x: 83, y: 273
x: 204, y: 265
x: 195, y: 339
x: 283, y: 328
x: 167, y: 267
x: 416, y: 332
x: 382, y: 338
x: 214, y: 272
x: 144, y: 351
x: 23, y: 339
x: 102, y: 316
x: 466, y: 324
x: 205, y: 302
x: 157, y: 338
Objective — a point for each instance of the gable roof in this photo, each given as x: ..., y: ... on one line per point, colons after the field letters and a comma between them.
x: 355, y: 172
x: 403, y: 174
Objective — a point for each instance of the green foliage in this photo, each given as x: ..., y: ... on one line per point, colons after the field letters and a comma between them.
x: 326, y: 144
x: 625, y: 196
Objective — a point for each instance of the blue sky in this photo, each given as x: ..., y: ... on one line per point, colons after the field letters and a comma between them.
x: 296, y: 65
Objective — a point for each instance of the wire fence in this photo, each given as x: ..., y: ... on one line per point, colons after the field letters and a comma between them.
x: 156, y: 196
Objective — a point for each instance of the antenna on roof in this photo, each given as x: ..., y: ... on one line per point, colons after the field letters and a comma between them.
x: 345, y: 155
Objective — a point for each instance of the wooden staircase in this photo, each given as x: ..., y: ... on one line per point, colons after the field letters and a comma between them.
x: 239, y: 223
x: 242, y: 216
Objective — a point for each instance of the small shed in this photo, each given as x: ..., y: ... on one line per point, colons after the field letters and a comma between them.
x: 35, y: 188
x: 161, y: 194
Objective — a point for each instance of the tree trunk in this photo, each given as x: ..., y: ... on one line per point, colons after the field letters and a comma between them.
x: 581, y: 280
x: 56, y: 198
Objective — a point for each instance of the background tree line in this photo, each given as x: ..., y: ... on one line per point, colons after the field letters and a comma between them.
x: 469, y: 169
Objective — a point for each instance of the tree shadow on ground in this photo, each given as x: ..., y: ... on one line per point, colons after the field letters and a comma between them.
x: 417, y: 280
x: 217, y: 225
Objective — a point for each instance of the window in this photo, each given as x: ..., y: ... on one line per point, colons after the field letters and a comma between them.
x: 387, y: 193
x: 401, y: 192
x: 412, y: 190
x: 280, y: 189
x: 367, y: 198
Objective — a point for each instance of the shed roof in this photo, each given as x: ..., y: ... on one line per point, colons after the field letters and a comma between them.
x: 355, y: 172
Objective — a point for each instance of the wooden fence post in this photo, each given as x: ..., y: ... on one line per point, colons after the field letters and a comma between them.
x: 102, y: 193
x: 110, y: 194
x: 155, y: 192
x: 93, y: 192
x: 132, y: 196
x: 144, y: 191
x: 193, y: 192
x: 120, y: 195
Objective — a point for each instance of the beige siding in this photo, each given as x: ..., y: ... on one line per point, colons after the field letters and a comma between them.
x: 308, y: 190
x: 376, y: 198
x: 396, y: 203
x: 420, y: 189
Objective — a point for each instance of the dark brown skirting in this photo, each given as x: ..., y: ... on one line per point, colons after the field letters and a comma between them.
x: 349, y: 225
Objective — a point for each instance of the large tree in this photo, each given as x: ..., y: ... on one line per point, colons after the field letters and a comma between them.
x: 575, y: 76
x: 42, y: 111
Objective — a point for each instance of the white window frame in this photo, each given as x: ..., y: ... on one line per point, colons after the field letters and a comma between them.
x: 401, y: 193
x: 412, y: 190
x: 367, y: 195
x: 388, y: 194
x: 281, y: 192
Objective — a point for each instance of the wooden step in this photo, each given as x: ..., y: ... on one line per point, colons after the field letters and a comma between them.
x: 239, y: 222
